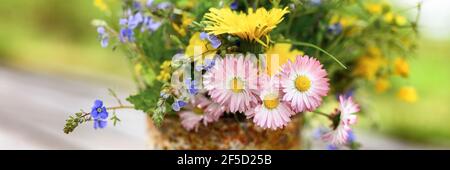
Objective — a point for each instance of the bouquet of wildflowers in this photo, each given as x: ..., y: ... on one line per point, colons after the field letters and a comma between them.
x: 260, y: 65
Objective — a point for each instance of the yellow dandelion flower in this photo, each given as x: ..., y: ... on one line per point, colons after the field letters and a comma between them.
x: 374, y: 8
x: 278, y: 55
x: 186, y: 20
x: 164, y: 73
x: 250, y: 26
x: 407, y: 94
x: 382, y: 84
x: 401, y: 67
x: 100, y: 4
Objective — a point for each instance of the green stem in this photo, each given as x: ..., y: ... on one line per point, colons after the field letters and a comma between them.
x: 255, y: 5
x: 323, y: 114
x: 291, y: 20
x: 120, y: 107
x: 317, y: 48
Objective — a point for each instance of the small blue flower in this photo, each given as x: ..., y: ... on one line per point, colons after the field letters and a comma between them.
x: 346, y: 94
x: 164, y: 95
x: 335, y: 29
x: 128, y: 25
x: 177, y: 105
x: 137, y: 5
x: 192, y: 86
x: 164, y: 5
x: 332, y: 147
x: 99, y: 123
x: 149, y: 3
x: 98, y: 110
x: 215, y: 42
x: 203, y: 35
x: 319, y: 132
x: 209, y: 63
x: 351, y: 137
x: 103, y: 36
x: 99, y: 114
x: 234, y: 5
x: 150, y: 24
x: 135, y: 20
x: 126, y: 34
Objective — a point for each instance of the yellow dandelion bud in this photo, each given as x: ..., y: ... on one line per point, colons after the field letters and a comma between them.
x: 389, y: 17
x: 374, y: 51
x: 400, y: 20
x: 382, y: 84
x: 401, y: 67
x: 374, y: 8
x: 368, y: 66
x: 407, y: 94
x: 138, y: 69
x: 164, y: 74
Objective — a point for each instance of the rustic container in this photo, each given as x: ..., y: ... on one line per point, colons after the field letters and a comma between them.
x: 227, y: 133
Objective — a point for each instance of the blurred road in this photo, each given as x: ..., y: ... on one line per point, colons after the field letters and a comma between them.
x: 33, y: 109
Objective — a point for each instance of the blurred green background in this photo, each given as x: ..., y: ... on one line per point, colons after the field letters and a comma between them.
x: 55, y: 36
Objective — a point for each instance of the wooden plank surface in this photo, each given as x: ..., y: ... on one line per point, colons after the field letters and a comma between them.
x: 33, y: 108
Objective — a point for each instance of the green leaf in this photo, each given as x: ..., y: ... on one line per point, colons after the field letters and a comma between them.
x: 146, y: 99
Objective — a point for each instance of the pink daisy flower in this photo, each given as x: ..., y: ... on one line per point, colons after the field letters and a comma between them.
x: 232, y: 83
x: 304, y: 83
x: 272, y: 113
x: 199, y: 110
x: 343, y: 118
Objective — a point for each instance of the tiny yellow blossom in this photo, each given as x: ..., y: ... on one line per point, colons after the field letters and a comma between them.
x: 401, y: 67
x: 389, y: 17
x: 382, y: 84
x: 100, y: 4
x: 407, y: 94
x: 186, y: 20
x: 392, y: 18
x: 368, y: 66
x: 374, y: 51
x: 400, y: 20
x: 138, y: 69
x: 374, y: 8
x: 345, y: 21
x: 164, y: 73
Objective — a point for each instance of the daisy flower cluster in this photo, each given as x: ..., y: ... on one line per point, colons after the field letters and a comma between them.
x: 258, y: 63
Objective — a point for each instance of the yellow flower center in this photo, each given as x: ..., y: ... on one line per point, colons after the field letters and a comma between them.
x: 198, y: 110
x: 237, y: 85
x: 302, y: 83
x: 271, y: 101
